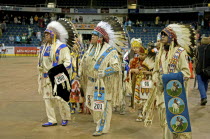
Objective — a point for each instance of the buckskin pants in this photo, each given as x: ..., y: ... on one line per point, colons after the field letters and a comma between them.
x: 63, y: 108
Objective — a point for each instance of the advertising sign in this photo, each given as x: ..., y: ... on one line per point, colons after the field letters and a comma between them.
x: 85, y: 11
x: 26, y: 50
x: 85, y: 26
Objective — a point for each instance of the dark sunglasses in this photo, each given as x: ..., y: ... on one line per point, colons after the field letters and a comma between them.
x: 163, y: 34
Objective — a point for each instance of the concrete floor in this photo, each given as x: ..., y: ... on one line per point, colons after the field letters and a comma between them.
x: 22, y: 111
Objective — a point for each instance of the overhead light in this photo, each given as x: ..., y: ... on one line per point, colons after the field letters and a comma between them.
x: 51, y: 5
x: 133, y: 4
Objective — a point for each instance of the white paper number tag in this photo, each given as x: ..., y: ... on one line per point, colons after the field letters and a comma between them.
x: 60, y: 78
x: 146, y: 84
x: 98, y: 106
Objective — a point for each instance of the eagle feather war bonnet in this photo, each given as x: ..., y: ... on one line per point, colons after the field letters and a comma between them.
x: 183, y: 35
x: 63, y: 30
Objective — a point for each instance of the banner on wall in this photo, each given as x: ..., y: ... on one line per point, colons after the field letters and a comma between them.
x: 11, y: 8
x: 133, y: 11
x: 104, y: 10
x: 65, y: 10
x: 10, y: 50
x: 26, y: 50
x: 44, y: 9
x: 118, y: 11
x: 85, y: 11
x: 85, y: 26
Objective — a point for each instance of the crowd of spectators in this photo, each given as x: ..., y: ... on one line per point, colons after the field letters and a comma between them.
x: 31, y: 21
x: 40, y: 20
x: 201, y: 22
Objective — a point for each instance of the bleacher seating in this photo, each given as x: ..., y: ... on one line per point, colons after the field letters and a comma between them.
x: 151, y: 34
x: 205, y: 31
x: 14, y: 29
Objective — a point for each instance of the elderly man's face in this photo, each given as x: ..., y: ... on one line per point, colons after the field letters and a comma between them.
x: 47, y: 37
x: 95, y: 38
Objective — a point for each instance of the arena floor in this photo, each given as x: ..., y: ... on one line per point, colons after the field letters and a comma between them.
x: 22, y: 111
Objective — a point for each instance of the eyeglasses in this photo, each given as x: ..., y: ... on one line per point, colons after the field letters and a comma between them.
x: 163, y: 34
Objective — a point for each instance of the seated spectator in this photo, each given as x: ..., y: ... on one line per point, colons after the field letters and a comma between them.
x: 24, y: 38
x: 3, y: 26
x: 41, y: 22
x: 6, y: 19
x: 28, y: 40
x: 141, y: 23
x: 11, y: 19
x: 15, y: 20
x: 30, y: 31
x: 31, y: 20
x: 17, y: 39
x: 53, y: 17
x: 137, y: 23
x: 45, y: 21
x: 144, y: 30
x: 39, y: 35
x: 36, y: 18
x: 19, y: 19
x: 24, y: 20
x: 11, y: 39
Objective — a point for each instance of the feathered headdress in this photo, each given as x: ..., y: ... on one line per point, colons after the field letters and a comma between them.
x: 57, y: 30
x: 184, y: 35
x: 73, y: 35
x: 119, y: 33
x: 105, y: 30
x: 63, y: 30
